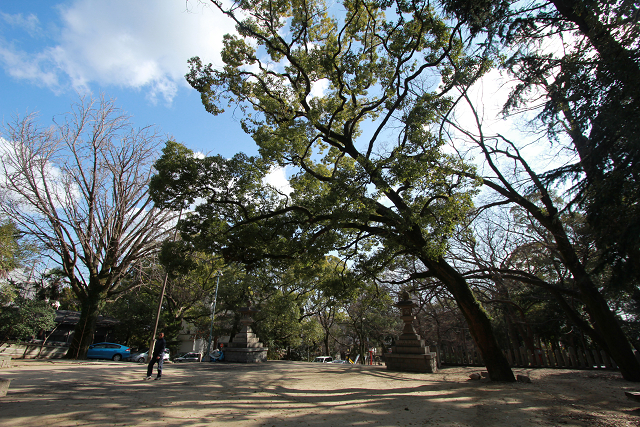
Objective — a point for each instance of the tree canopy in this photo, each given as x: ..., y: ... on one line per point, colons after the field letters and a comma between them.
x: 368, y: 174
x: 579, y: 60
x: 575, y: 64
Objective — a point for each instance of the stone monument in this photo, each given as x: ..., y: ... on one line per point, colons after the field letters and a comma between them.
x: 410, y: 354
x: 245, y: 346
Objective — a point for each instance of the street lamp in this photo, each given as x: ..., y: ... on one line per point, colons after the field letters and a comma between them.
x: 213, y: 314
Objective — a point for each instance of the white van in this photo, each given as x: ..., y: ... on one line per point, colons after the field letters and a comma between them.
x: 323, y: 359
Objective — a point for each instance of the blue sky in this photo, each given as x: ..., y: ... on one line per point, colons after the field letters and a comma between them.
x: 133, y: 51
x: 137, y: 52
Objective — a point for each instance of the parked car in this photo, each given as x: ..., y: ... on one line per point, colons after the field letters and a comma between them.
x: 142, y: 357
x: 136, y: 356
x: 188, y: 357
x: 323, y: 359
x: 108, y: 350
x: 339, y: 361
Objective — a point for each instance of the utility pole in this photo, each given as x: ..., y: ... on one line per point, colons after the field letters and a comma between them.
x: 213, y: 315
x: 152, y: 343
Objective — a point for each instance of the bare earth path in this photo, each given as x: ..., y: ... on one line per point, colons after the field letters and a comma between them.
x: 62, y: 393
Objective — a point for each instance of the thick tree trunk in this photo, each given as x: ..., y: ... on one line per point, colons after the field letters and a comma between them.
x: 86, y: 326
x: 604, y: 320
x: 606, y: 324
x: 608, y: 332
x: 479, y: 324
x: 326, y: 345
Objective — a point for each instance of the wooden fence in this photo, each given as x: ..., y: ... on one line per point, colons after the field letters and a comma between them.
x: 544, y: 357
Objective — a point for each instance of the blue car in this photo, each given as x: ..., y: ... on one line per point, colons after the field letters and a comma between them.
x: 107, y: 350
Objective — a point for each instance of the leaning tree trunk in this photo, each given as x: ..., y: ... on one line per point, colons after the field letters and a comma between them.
x: 86, y: 326
x: 479, y: 324
x: 606, y: 323
x: 604, y: 320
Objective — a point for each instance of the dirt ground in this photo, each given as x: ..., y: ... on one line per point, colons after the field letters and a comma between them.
x: 64, y: 393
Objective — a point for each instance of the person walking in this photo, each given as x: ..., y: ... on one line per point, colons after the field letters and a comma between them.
x: 158, y: 357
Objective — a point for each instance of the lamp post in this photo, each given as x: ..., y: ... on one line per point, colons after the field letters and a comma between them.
x: 213, y: 314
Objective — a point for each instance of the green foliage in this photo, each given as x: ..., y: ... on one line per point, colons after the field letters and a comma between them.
x: 7, y: 294
x: 347, y: 189
x: 135, y: 312
x: 291, y: 296
x: 279, y: 321
x: 372, y: 319
x: 190, y: 277
x: 14, y: 249
x: 191, y: 288
x: 8, y: 246
x: 287, y: 295
x: 25, y: 318
x: 68, y: 300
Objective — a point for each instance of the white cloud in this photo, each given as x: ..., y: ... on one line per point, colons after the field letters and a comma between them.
x: 318, y: 89
x: 22, y: 65
x: 489, y: 95
x: 277, y: 178
x: 143, y: 44
x: 30, y: 23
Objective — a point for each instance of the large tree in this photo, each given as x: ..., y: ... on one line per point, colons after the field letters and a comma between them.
x: 586, y: 95
x: 593, y: 97
x: 369, y: 176
x: 80, y: 187
x: 515, y: 181
x: 579, y: 60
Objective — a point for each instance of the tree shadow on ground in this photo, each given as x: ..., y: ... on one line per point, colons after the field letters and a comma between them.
x: 292, y: 394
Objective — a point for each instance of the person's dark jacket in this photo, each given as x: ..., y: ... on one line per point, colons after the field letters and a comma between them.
x: 158, y: 348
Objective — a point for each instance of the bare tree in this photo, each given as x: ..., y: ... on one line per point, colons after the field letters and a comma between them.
x: 80, y: 187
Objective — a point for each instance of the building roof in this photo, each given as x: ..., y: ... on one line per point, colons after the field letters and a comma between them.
x: 68, y: 317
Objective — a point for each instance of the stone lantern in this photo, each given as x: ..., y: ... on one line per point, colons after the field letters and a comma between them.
x: 246, y: 347
x: 410, y: 354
